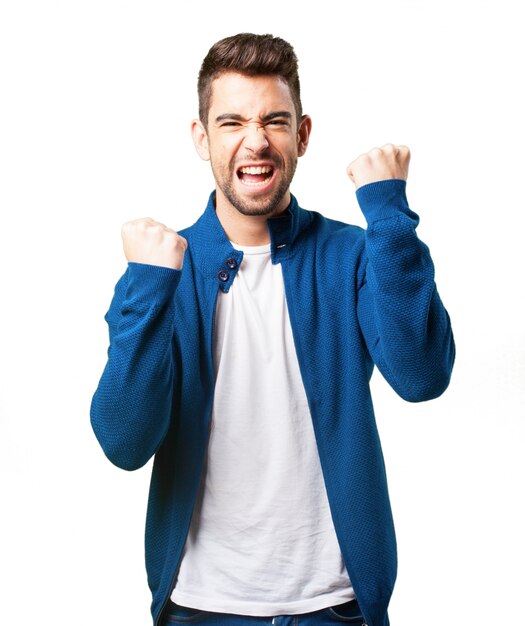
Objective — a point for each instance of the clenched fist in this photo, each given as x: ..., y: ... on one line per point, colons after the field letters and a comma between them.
x: 383, y: 163
x: 152, y: 243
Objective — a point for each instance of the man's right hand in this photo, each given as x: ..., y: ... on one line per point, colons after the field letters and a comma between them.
x: 147, y: 241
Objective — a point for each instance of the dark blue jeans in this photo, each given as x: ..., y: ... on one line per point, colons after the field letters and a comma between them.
x: 348, y: 613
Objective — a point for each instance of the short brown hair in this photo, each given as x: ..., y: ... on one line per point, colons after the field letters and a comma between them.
x: 252, y: 55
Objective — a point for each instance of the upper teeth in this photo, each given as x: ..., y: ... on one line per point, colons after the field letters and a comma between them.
x: 265, y: 169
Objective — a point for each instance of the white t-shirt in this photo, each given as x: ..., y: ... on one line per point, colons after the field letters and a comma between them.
x: 261, y: 540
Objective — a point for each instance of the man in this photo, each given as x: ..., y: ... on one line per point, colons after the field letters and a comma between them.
x: 240, y: 356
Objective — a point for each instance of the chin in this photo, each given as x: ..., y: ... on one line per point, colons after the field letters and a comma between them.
x: 254, y: 209
x: 257, y: 206
x: 260, y: 208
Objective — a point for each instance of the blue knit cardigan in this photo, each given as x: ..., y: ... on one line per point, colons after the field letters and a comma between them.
x: 355, y: 297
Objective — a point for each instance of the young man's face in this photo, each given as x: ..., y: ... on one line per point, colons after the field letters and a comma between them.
x: 253, y: 141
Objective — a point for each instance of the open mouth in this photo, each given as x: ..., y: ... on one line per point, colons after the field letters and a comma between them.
x: 255, y: 175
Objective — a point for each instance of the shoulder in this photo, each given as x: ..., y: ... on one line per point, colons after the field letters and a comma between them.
x: 329, y: 230
x: 332, y: 245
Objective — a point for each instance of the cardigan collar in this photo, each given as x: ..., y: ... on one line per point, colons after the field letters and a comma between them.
x: 218, y: 259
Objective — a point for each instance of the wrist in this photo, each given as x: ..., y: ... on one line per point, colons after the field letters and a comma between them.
x: 384, y: 199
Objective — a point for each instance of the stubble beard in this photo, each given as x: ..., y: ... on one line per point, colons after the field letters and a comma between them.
x: 263, y: 206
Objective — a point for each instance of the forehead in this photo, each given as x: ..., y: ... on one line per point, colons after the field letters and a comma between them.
x: 249, y: 96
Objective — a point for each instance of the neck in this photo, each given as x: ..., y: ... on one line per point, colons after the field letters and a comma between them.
x: 245, y: 230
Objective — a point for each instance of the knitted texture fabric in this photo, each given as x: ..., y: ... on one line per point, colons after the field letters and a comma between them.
x: 356, y: 297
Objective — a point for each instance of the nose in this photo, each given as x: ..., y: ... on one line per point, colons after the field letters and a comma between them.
x: 255, y: 139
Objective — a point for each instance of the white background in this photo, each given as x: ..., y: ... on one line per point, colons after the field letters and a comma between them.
x: 96, y: 101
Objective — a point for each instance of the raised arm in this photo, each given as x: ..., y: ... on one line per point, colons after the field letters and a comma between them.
x: 131, y: 408
x: 404, y: 322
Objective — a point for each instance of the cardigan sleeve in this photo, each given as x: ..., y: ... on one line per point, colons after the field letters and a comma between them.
x: 405, y: 325
x: 131, y: 408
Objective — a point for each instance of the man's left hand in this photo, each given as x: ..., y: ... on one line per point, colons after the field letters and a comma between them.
x: 383, y: 163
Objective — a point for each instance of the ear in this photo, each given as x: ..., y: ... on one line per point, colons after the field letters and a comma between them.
x: 200, y: 139
x: 303, y: 134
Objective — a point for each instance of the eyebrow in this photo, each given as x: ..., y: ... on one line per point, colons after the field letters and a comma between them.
x: 266, y: 118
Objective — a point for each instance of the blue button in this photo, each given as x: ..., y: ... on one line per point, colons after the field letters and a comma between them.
x: 223, y: 276
x: 231, y: 263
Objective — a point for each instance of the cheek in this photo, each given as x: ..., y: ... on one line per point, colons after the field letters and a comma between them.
x: 287, y: 146
x: 224, y: 154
